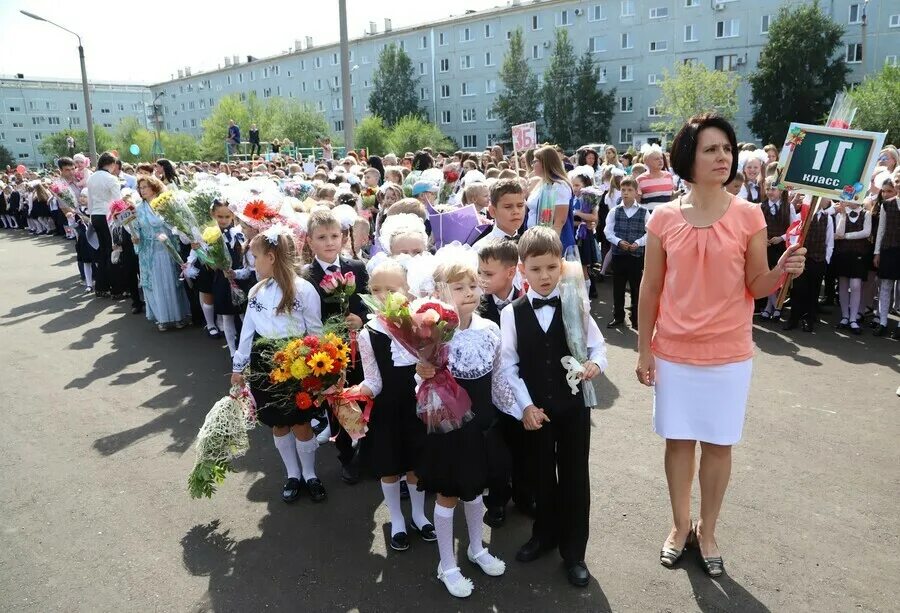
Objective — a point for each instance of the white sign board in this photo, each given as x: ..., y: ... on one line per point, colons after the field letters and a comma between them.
x: 524, y: 136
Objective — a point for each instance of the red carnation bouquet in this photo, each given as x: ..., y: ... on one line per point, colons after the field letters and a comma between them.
x: 338, y: 288
x: 424, y: 328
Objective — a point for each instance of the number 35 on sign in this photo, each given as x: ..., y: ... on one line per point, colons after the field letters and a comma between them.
x: 829, y: 162
x: 524, y: 136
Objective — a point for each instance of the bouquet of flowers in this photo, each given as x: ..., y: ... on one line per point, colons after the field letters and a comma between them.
x: 201, y: 198
x: 338, y: 288
x: 120, y: 212
x: 258, y: 210
x: 214, y: 253
x: 545, y: 204
x: 222, y: 438
x: 575, y: 312
x: 368, y: 198
x: 306, y: 372
x: 173, y: 209
x: 297, y: 189
x: 452, y: 175
x: 163, y: 238
x: 424, y: 327
x: 64, y: 194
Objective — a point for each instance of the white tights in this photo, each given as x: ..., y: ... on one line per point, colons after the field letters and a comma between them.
x: 850, y: 296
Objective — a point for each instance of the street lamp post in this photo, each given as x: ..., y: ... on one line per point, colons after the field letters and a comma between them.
x: 92, y: 144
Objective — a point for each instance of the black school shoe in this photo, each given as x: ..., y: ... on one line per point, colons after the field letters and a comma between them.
x: 400, y: 541
x: 426, y: 532
x: 291, y: 490
x: 495, y: 517
x: 317, y: 491
x: 532, y: 550
x: 404, y: 490
x: 578, y: 574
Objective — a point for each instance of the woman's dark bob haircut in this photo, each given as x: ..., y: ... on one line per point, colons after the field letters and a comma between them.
x: 684, y: 147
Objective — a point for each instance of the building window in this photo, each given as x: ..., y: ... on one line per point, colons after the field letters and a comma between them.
x: 890, y: 60
x: 334, y: 82
x: 725, y: 62
x: 466, y: 89
x: 490, y: 86
x: 445, y: 91
x: 37, y: 136
x: 508, y: 35
x: 625, y: 135
x: 565, y: 18
x: 488, y: 31
x: 442, y: 39
x: 321, y: 106
x: 193, y: 123
x: 423, y: 94
x: 303, y: 86
x: 18, y: 124
x: 76, y: 121
x: 659, y: 12
x: 445, y: 117
x: 627, y: 8
x: 652, y: 112
x: 653, y: 79
x: 490, y: 115
x: 491, y: 139
x: 465, y: 62
x: 658, y: 45
x: 627, y: 43
x: 184, y: 123
x: 626, y: 104
x: 423, y: 42
x: 21, y: 139
x: 626, y: 73
x: 690, y: 34
x: 598, y: 44
x: 202, y: 103
x: 764, y: 22
x: 253, y: 75
x: 468, y: 115
x: 488, y: 59
x: 337, y: 104
x: 228, y: 79
x: 856, y: 14
x: 689, y: 4
x: 402, y: 45
x: 470, y: 141
x: 854, y: 53
x: 602, y: 78
x: 535, y: 52
x: 689, y: 61
x: 73, y: 106
x: 318, y: 62
x: 728, y: 28
x: 445, y: 65
x: 596, y: 13
x: 894, y: 21
x: 535, y: 22
x: 267, y: 92
x: 422, y: 68
x: 465, y: 35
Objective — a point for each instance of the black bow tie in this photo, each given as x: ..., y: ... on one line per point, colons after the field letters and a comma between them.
x: 332, y: 268
x: 538, y: 303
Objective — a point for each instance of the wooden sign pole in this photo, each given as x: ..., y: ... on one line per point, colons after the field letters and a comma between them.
x: 813, y: 209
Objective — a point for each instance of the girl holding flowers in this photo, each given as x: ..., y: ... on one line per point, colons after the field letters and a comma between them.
x: 281, y: 305
x: 165, y: 299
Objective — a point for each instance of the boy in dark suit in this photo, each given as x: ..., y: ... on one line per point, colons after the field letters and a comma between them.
x: 558, y: 423
x: 325, y: 239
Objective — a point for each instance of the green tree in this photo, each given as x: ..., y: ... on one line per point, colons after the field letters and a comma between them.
x: 799, y: 71
x: 876, y: 103
x: 413, y: 133
x: 6, y: 158
x: 178, y: 147
x: 518, y: 101
x: 300, y: 122
x: 594, y: 108
x: 215, y: 126
x: 54, y: 146
x: 693, y: 89
x: 131, y: 132
x: 558, y: 91
x: 373, y: 135
x: 394, y: 86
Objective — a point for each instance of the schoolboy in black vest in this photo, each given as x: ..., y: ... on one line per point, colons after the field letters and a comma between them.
x: 626, y: 230
x: 558, y: 424
x: 806, y: 288
x: 322, y: 226
x: 498, y: 261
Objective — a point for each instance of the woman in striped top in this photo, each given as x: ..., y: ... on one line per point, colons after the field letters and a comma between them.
x: 656, y: 184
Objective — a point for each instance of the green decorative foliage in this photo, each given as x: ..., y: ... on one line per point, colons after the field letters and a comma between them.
x: 394, y: 86
x: 519, y: 99
x: 876, y: 103
x: 693, y: 89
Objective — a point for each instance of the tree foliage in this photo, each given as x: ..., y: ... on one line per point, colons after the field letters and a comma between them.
x: 558, y: 91
x: 876, y: 102
x: 693, y: 89
x: 594, y: 108
x: 412, y: 133
x: 373, y: 135
x: 798, y: 72
x: 6, y: 157
x: 394, y: 86
x: 54, y: 145
x: 519, y: 100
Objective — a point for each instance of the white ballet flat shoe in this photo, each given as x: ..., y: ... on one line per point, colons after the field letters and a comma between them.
x: 324, y: 435
x: 462, y: 588
x: 492, y: 568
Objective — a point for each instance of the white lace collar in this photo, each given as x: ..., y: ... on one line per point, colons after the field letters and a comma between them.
x: 473, y: 351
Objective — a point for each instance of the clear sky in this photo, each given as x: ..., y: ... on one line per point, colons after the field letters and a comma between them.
x: 145, y: 42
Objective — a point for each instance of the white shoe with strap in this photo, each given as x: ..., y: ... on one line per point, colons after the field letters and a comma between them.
x: 461, y: 588
x: 492, y: 566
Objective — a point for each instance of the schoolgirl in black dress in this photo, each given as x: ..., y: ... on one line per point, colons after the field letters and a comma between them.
x: 213, y: 285
x: 393, y: 444
x: 852, y: 261
x: 281, y: 305
x: 457, y: 465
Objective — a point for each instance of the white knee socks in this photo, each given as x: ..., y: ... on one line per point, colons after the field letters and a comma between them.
x: 884, y: 300
x: 443, y: 528
x: 288, y: 451
x: 209, y: 314
x: 391, y: 493
x: 307, y: 452
x: 417, y: 504
x: 850, y: 295
x: 475, y: 521
x: 88, y: 274
x: 230, y: 331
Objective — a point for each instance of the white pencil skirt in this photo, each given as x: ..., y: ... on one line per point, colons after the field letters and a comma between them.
x: 701, y: 403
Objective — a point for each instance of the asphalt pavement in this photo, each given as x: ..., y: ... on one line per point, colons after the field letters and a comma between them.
x: 101, y: 411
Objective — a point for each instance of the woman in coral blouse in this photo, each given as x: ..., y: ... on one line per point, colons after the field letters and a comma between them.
x: 706, y: 261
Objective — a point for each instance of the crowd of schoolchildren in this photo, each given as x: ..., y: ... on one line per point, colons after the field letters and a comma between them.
x: 374, y: 217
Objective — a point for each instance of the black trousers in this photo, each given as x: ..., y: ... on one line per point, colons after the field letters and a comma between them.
x: 254, y: 147
x: 805, y: 292
x: 102, y: 281
x: 627, y: 269
x: 60, y: 220
x: 132, y: 270
x: 519, y: 484
x: 561, y: 447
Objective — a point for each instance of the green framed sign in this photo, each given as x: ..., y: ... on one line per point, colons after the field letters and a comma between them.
x: 829, y: 162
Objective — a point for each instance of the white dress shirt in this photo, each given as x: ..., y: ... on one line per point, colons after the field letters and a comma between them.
x: 325, y: 265
x: 882, y: 223
x: 774, y: 206
x: 495, y: 234
x: 509, y: 350
x: 371, y: 373
x: 103, y: 188
x: 501, y: 303
x: 610, y: 229
x: 262, y: 318
x: 841, y: 228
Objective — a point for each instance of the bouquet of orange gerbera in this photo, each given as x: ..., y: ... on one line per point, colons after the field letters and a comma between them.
x: 305, y: 372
